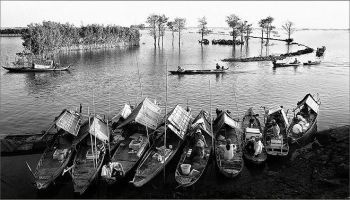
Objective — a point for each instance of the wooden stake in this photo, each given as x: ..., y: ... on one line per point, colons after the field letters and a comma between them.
x: 166, y: 119
x: 92, y: 148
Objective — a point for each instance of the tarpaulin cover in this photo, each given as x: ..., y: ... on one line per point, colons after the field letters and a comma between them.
x: 99, y: 129
x: 124, y: 113
x: 70, y: 122
x: 223, y: 119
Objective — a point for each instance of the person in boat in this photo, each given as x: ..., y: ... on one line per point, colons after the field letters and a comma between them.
x: 217, y: 66
x: 179, y: 69
x: 275, y: 129
x: 222, y: 68
x: 229, y: 150
x: 274, y: 61
x: 295, y: 61
x: 107, y: 170
x: 218, y: 111
x: 200, y: 144
x: 250, y: 145
x: 251, y: 123
x: 258, y: 146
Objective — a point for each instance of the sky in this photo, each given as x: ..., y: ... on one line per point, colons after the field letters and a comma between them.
x: 309, y: 14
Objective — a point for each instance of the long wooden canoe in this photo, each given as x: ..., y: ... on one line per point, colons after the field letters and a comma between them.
x: 28, y: 69
x: 200, y: 71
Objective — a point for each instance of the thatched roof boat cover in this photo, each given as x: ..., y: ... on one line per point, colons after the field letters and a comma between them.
x: 225, y: 119
x: 69, y: 121
x: 146, y: 113
x: 100, y: 129
x: 310, y: 101
x: 178, y: 121
x: 202, y: 122
x: 124, y: 113
x: 270, y: 112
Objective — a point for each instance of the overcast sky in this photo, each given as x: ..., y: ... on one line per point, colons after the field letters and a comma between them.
x: 312, y: 14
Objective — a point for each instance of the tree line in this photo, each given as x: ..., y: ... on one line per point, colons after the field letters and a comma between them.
x: 158, y: 24
x: 47, y: 37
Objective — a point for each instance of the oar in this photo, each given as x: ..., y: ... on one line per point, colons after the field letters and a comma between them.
x: 30, y: 169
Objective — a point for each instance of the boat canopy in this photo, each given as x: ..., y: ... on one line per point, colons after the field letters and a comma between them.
x: 100, y: 129
x: 224, y: 118
x: 124, y: 113
x: 270, y: 112
x: 146, y: 113
x: 69, y: 121
x: 202, y: 121
x: 178, y: 121
x: 42, y: 64
x: 309, y: 101
x: 252, y: 132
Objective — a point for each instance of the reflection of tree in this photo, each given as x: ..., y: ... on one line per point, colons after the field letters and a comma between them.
x: 247, y: 51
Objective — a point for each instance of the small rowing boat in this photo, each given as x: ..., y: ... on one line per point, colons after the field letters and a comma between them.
x: 304, y: 123
x: 195, y: 156
x: 253, y: 149
x: 275, y: 65
x: 28, y: 69
x: 59, y: 151
x: 312, y: 63
x: 276, y: 144
x: 169, y: 138
x: 228, y: 145
x: 200, y: 71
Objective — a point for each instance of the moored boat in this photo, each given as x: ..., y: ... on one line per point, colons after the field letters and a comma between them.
x: 304, y: 124
x: 196, y: 154
x: 169, y: 138
x: 135, y: 140
x: 276, y: 121
x: 312, y: 62
x: 59, y: 150
x: 228, y: 145
x: 275, y: 64
x: 91, y: 151
x: 253, y: 148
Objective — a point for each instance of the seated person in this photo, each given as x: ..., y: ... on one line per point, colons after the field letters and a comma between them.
x: 106, y: 170
x: 217, y: 66
x: 179, y: 69
x: 258, y: 146
x: 251, y: 123
x: 200, y: 144
x: 250, y: 146
x: 275, y: 129
x: 229, y: 150
x: 295, y: 61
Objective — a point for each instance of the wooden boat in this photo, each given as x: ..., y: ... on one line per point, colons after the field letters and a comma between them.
x: 91, y: 151
x: 28, y: 69
x: 312, y: 63
x: 161, y: 152
x: 59, y: 150
x: 320, y: 51
x: 304, y: 124
x: 15, y: 144
x: 200, y: 71
x: 228, y: 130
x: 135, y: 134
x: 188, y: 158
x: 275, y: 65
x: 276, y: 146
x: 204, y: 41
x: 252, y: 130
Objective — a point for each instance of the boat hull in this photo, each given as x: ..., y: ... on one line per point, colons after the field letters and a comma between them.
x: 26, y: 69
x: 189, y: 72
x: 277, y: 65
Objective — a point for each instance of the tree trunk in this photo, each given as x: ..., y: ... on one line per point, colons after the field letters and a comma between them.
x: 233, y: 37
x: 172, y: 41
x: 158, y: 35
x: 179, y: 36
x: 262, y: 35
x: 202, y: 34
x: 155, y: 40
x: 162, y: 39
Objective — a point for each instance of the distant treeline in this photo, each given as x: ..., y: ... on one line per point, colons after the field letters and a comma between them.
x: 11, y: 31
x: 51, y: 37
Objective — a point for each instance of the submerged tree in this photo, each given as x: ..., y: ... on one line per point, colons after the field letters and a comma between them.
x: 172, y: 29
x: 242, y: 29
x: 233, y: 22
x: 179, y: 24
x: 161, y: 22
x: 269, y: 27
x: 288, y: 27
x: 262, y: 25
x: 152, y: 23
x: 203, y: 29
x: 248, y: 31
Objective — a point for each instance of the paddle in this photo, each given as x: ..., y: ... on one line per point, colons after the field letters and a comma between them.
x: 30, y: 169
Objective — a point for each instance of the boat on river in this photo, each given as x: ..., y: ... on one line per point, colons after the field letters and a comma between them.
x: 194, y: 159
x: 27, y: 64
x: 227, y: 131
x: 136, y: 133
x: 91, y: 150
x: 292, y: 64
x: 169, y: 139
x: 276, y: 145
x: 304, y: 124
x: 28, y: 69
x: 200, y: 71
x: 59, y: 150
x: 252, y: 137
x: 312, y: 62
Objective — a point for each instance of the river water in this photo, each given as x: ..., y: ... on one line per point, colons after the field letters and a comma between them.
x: 30, y: 101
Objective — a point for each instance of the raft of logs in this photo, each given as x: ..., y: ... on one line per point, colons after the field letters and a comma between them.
x: 270, y: 57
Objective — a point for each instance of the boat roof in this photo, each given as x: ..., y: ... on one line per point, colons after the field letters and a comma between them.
x: 280, y: 109
x: 69, y: 121
x: 225, y: 119
x: 202, y: 122
x: 124, y: 113
x: 309, y: 101
x: 178, y: 120
x: 146, y: 113
x: 100, y: 129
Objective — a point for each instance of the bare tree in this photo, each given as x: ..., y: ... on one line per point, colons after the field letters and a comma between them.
x: 233, y: 22
x: 172, y: 29
x: 288, y: 27
x: 203, y: 29
x: 152, y: 23
x: 269, y: 27
x: 248, y: 31
x: 161, y: 22
x: 262, y: 24
x: 179, y: 24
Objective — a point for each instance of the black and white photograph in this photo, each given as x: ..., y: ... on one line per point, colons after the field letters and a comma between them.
x: 174, y: 99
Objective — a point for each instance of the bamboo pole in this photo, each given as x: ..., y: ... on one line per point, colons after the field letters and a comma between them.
x: 211, y: 118
x: 93, y: 104
x: 109, y: 106
x: 92, y: 148
x: 138, y: 72
x: 166, y: 119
